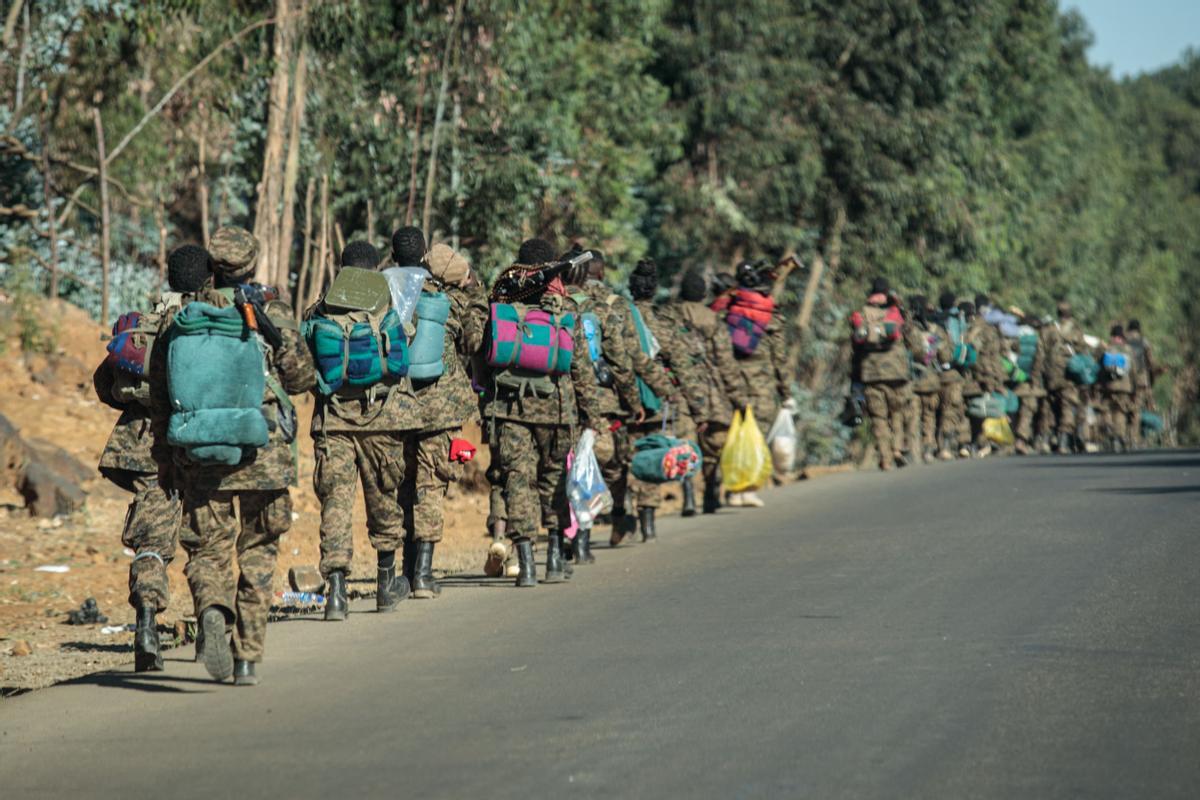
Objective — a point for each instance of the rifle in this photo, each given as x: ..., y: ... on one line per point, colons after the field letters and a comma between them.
x: 251, y: 305
x: 519, y: 282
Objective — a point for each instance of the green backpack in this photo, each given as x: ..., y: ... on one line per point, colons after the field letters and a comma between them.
x: 216, y: 382
x: 964, y: 354
x: 650, y: 401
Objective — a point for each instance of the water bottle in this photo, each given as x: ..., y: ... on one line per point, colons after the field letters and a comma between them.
x: 300, y: 598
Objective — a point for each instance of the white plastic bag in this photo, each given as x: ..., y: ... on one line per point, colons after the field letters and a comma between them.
x: 405, y: 284
x: 783, y: 441
x: 589, y: 497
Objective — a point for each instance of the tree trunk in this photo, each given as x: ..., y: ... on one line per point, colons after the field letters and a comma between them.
x: 431, y: 170
x: 291, y: 173
x: 104, y: 220
x: 160, y: 219
x: 370, y: 221
x: 303, y: 279
x: 265, y: 214
x: 202, y: 190
x: 416, y: 147
x: 455, y: 171
x: 10, y: 22
x: 318, y: 267
x: 818, y: 270
x: 48, y: 201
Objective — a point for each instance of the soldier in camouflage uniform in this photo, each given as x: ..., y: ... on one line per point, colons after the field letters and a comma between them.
x: 765, y: 382
x: 533, y: 431
x: 1031, y: 393
x: 674, y: 355
x: 621, y: 364
x: 877, y: 335
x: 152, y: 522
x: 1062, y: 340
x: 954, y: 431
x: 358, y: 437
x: 1144, y: 374
x: 928, y: 349
x: 720, y: 378
x: 446, y: 403
x: 245, y: 507
x: 1117, y: 391
x: 987, y: 376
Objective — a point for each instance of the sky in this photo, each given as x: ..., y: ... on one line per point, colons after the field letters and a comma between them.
x: 1135, y: 36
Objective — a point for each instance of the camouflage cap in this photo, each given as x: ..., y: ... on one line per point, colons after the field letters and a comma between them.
x: 234, y: 251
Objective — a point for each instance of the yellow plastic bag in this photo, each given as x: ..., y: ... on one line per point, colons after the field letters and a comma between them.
x: 998, y: 431
x: 745, y: 460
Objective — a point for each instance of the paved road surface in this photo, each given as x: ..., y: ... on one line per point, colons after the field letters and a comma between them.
x: 1008, y: 628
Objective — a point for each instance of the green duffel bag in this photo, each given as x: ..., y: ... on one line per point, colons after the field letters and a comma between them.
x: 1083, y: 369
x: 987, y: 406
x: 1151, y: 422
x: 659, y: 458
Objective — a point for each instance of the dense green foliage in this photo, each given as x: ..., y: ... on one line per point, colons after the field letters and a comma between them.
x: 946, y: 144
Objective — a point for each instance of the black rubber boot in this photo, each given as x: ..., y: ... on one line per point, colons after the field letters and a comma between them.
x: 583, y: 547
x: 147, y: 652
x: 390, y: 589
x: 712, y: 497
x: 528, y: 574
x: 622, y: 526
x: 408, y: 567
x: 689, y: 499
x: 557, y: 570
x: 218, y: 658
x: 243, y: 673
x: 424, y: 587
x: 646, y: 517
x: 337, y: 605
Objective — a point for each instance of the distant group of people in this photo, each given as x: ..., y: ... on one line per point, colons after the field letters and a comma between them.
x: 963, y: 378
x: 400, y: 353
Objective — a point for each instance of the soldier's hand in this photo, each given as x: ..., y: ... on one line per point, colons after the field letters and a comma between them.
x: 639, y: 417
x: 701, y: 427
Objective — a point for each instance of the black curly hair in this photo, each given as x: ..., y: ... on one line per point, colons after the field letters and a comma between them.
x: 408, y: 246
x: 643, y: 281
x: 188, y: 268
x: 360, y: 254
x: 536, y: 251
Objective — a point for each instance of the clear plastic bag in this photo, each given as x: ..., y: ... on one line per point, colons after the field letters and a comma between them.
x: 405, y: 284
x: 783, y: 441
x: 587, y: 493
x: 745, y: 459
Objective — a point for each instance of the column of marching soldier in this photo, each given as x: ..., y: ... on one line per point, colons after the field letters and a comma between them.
x: 206, y: 439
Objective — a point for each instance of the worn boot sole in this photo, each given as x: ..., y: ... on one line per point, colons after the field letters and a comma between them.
x: 218, y: 658
x: 146, y: 661
x: 423, y: 594
x: 246, y: 680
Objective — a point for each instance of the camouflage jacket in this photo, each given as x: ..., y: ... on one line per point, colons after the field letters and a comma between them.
x: 674, y: 355
x: 889, y: 363
x: 270, y: 467
x: 574, y: 400
x: 988, y: 372
x: 921, y: 339
x: 1061, y: 340
x: 765, y: 378
x: 712, y: 359
x: 449, y: 401
x: 1122, y: 384
x: 618, y: 349
x: 1143, y: 361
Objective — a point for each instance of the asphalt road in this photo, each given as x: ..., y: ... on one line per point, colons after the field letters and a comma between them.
x: 1006, y: 628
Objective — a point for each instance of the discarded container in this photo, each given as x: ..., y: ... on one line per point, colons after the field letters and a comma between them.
x: 55, y: 568
x: 300, y: 598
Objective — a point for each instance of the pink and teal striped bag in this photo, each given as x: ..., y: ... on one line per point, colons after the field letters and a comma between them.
x: 536, y: 341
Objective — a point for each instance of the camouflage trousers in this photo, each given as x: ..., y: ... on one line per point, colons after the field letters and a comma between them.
x: 1120, y: 415
x: 711, y: 441
x: 343, y: 460
x: 906, y: 422
x: 152, y: 531
x: 429, y: 474
x: 616, y: 469
x: 250, y: 523
x: 533, y: 460
x: 645, y: 495
x: 930, y: 403
x: 885, y: 403
x: 1064, y: 406
x: 952, y: 422
x: 1028, y: 416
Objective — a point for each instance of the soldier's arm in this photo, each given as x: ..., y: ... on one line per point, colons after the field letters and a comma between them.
x: 473, y: 318
x: 778, y: 353
x: 619, y: 360
x: 675, y: 355
x: 730, y: 375
x: 292, y: 360
x: 583, y: 375
x: 650, y: 371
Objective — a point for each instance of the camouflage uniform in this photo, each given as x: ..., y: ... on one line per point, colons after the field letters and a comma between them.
x: 673, y: 354
x: 152, y: 521
x: 1031, y: 393
x: 719, y: 374
x: 1118, y: 395
x: 884, y: 374
x: 927, y: 349
x: 532, y: 435
x: 626, y: 363
x: 1143, y: 381
x: 764, y: 375
x: 987, y: 376
x: 1062, y: 340
x: 247, y: 506
x: 445, y: 403
x: 953, y: 429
